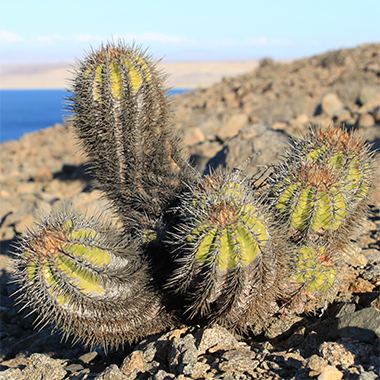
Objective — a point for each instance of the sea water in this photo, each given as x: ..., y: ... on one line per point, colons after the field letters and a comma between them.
x: 25, y: 111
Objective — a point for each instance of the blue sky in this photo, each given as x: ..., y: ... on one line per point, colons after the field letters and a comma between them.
x: 182, y: 30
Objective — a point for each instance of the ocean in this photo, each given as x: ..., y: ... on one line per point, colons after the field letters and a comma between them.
x: 25, y: 111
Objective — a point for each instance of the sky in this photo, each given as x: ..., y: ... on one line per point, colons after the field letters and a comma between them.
x: 37, y: 31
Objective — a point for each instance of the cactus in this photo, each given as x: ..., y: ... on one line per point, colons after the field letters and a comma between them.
x: 75, y: 273
x: 121, y: 116
x: 227, y: 251
x: 323, y: 185
x: 190, y: 249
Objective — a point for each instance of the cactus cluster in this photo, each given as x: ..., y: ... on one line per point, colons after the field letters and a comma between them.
x: 191, y: 249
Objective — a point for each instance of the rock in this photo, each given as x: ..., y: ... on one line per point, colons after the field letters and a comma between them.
x: 342, y: 116
x: 163, y: 375
x: 372, y: 273
x: 26, y: 221
x: 87, y: 358
x: 366, y: 120
x: 43, y: 367
x: 239, y: 360
x: 197, y: 370
x: 361, y: 285
x: 368, y: 94
x: 12, y: 374
x: 336, y: 354
x: 330, y: 373
x: 214, y: 338
x: 112, y: 373
x: 363, y: 325
x: 331, y: 104
x: 279, y: 325
x: 369, y: 376
x: 233, y: 125
x: 257, y: 141
x: 156, y: 348
x: 315, y: 364
x: 133, y: 364
x: 182, y: 352
x: 376, y: 303
x: 193, y: 135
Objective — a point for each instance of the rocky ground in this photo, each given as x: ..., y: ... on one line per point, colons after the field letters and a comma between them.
x: 247, y: 118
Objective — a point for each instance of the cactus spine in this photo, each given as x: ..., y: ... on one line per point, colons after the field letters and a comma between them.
x: 121, y: 115
x: 228, y: 256
x: 321, y: 191
x: 212, y: 249
x: 75, y: 273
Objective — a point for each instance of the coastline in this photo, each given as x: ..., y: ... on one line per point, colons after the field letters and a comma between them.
x: 189, y: 75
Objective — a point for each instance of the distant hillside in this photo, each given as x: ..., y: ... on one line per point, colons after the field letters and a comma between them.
x: 286, y: 97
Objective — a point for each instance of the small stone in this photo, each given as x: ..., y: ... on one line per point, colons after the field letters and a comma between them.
x: 372, y: 274
x: 27, y: 188
x: 12, y: 374
x: 336, y: 354
x: 368, y: 376
x: 182, y: 352
x: 330, y: 373
x: 43, y: 367
x: 279, y: 126
x: 196, y: 371
x: 294, y: 360
x: 193, y: 135
x: 74, y: 368
x: 361, y: 285
x: 331, y: 103
x: 342, y: 115
x: 133, y: 364
x: 87, y: 358
x: 26, y: 221
x: 368, y: 94
x: 162, y: 375
x: 372, y: 255
x: 234, y: 124
x: 112, y: 372
x: 366, y: 120
x: 214, y: 338
x: 376, y: 303
x: 315, y: 364
x: 303, y: 118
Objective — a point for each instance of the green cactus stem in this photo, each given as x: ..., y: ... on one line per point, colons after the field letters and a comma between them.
x: 312, y: 198
x: 347, y: 155
x: 73, y: 272
x: 324, y: 183
x: 315, y: 269
x: 122, y: 118
x: 226, y: 254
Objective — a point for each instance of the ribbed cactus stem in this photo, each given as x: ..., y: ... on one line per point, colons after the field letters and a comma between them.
x: 73, y: 273
x: 122, y: 117
x: 347, y: 155
x: 312, y: 198
x: 225, y: 249
x: 324, y: 183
